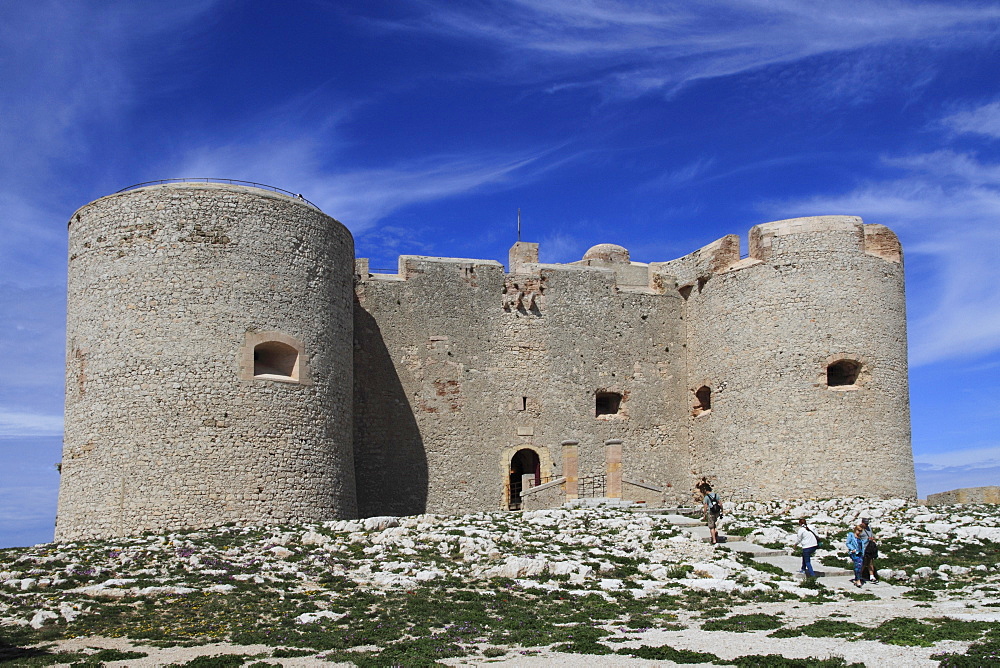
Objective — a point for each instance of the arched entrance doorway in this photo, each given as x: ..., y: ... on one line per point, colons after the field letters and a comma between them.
x: 525, y: 462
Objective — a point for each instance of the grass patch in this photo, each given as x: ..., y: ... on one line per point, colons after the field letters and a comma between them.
x: 742, y: 623
x: 667, y: 653
x: 920, y: 594
x: 214, y: 661
x: 822, y: 628
x: 778, y: 661
x: 983, y: 653
x: 924, y: 633
x: 584, y: 640
x: 893, y: 553
x: 290, y: 652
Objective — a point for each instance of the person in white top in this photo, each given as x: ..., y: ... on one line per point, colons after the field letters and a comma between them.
x: 808, y: 540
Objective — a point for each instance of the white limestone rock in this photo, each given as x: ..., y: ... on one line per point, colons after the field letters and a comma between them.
x: 428, y: 575
x: 979, y: 532
x: 69, y: 612
x: 311, y: 537
x: 314, y: 617
x: 380, y: 523
x: 709, y: 584
x: 220, y: 589
x: 707, y: 570
x: 772, y: 535
x: 518, y: 567
x: 39, y: 619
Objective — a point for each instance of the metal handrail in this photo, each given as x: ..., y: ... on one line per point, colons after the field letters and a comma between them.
x: 235, y: 182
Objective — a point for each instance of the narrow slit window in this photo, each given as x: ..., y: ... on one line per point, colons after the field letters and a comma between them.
x: 608, y: 403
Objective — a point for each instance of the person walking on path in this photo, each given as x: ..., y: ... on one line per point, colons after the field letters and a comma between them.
x: 809, y: 541
x: 713, y: 509
x: 856, y: 544
x: 868, y: 573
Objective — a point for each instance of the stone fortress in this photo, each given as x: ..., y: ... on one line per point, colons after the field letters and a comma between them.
x: 229, y: 360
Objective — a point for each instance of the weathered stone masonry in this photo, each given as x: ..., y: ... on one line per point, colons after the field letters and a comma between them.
x: 229, y: 361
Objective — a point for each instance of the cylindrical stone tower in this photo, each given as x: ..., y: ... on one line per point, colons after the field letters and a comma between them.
x: 209, y: 362
x: 798, y: 372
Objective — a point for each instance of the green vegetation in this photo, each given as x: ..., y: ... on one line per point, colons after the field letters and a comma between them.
x: 920, y: 594
x: 986, y: 652
x: 822, y: 628
x: 895, y: 554
x: 741, y: 623
x: 256, y: 586
x: 667, y: 653
x: 778, y: 661
x: 924, y: 633
x: 92, y: 657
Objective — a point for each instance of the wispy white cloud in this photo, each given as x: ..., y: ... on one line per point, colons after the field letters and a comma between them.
x: 77, y: 67
x: 957, y: 468
x: 987, y: 456
x: 981, y: 120
x: 932, y: 480
x: 20, y: 424
x: 945, y: 207
x: 71, y: 73
x: 682, y: 176
x: 560, y: 246
x: 359, y: 197
x: 635, y: 47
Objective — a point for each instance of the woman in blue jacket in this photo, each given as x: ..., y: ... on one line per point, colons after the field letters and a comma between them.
x: 856, y: 544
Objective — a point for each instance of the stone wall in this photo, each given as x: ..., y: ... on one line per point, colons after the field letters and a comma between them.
x: 761, y: 333
x: 482, y: 364
x: 965, y: 495
x: 229, y: 361
x: 170, y: 288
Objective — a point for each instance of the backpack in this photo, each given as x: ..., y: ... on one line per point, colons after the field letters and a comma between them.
x: 714, y: 506
x: 819, y: 541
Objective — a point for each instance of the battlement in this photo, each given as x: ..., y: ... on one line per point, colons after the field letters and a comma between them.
x: 823, y: 234
x: 815, y: 235
x: 221, y: 368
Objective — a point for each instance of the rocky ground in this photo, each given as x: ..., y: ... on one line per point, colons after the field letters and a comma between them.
x: 594, y: 585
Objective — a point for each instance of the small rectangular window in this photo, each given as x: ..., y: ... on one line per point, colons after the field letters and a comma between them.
x: 608, y: 403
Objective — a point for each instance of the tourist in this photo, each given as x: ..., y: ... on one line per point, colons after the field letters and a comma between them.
x: 856, y: 544
x: 868, y: 573
x: 713, y: 509
x: 808, y: 541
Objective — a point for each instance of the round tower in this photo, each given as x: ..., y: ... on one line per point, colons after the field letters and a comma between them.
x: 209, y: 362
x: 798, y: 372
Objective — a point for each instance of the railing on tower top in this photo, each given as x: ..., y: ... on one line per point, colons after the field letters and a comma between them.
x: 235, y: 182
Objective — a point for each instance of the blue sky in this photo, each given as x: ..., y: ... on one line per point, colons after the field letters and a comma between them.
x: 424, y: 125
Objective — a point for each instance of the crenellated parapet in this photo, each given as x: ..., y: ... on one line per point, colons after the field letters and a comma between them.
x: 220, y: 368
